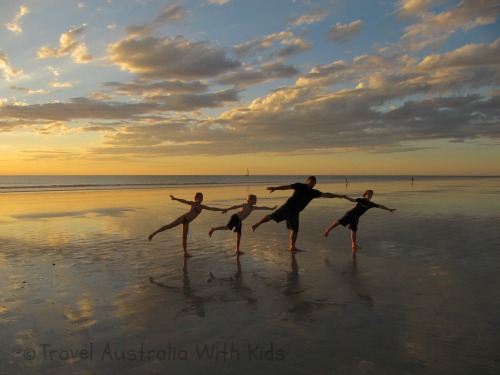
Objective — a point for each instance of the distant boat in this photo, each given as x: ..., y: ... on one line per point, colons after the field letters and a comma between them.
x: 248, y: 173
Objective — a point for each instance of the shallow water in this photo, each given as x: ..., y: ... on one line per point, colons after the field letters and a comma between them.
x: 85, y: 291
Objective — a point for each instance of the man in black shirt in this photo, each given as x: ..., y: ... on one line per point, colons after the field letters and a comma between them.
x: 302, y: 195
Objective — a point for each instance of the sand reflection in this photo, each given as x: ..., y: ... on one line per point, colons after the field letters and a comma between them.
x: 195, y: 303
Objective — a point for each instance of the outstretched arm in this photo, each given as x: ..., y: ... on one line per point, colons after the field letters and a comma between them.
x: 180, y: 200
x: 331, y: 195
x: 282, y: 187
x: 235, y: 207
x: 264, y: 208
x: 213, y: 208
x: 386, y: 208
x: 224, y: 211
x: 349, y: 198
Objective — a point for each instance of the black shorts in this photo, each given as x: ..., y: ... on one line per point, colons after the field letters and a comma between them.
x: 351, y: 220
x: 291, y: 217
x: 235, y: 224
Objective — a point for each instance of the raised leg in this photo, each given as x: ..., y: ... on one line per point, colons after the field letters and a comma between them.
x: 173, y: 224
x: 265, y: 219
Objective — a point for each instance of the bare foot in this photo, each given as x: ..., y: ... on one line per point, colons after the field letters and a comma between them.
x: 239, y: 252
x: 326, y: 233
x: 187, y: 255
x: 151, y: 236
x: 295, y: 250
x: 355, y: 248
x: 211, y: 232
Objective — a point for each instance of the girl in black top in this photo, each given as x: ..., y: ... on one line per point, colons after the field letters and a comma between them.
x: 351, y: 217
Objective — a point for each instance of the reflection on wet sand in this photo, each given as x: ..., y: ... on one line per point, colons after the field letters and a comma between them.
x: 416, y: 302
x: 195, y: 302
x: 293, y: 279
x: 236, y: 283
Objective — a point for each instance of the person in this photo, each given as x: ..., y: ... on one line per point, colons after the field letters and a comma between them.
x: 351, y: 217
x: 195, y: 210
x: 236, y: 221
x: 302, y: 195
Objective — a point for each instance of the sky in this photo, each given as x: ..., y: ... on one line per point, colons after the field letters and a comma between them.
x: 307, y: 87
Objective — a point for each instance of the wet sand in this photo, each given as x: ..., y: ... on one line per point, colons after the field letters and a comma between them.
x: 84, y: 291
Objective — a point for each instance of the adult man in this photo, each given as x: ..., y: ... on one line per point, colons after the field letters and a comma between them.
x: 302, y: 195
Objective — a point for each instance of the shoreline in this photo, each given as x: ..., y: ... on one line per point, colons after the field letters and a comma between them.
x: 48, y: 183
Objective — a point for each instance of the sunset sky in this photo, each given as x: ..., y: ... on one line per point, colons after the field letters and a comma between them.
x: 276, y: 86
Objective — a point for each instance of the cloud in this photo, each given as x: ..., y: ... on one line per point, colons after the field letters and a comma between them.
x: 146, y: 89
x: 7, y: 70
x: 309, y: 18
x: 292, y: 45
x: 262, y: 43
x: 392, y: 108
x: 295, y: 120
x: 78, y: 108
x: 167, y: 58
x: 11, y: 124
x: 476, y: 65
x: 48, y: 155
x: 59, y: 84
x: 395, y: 101
x: 68, y: 45
x: 219, y: 2
x: 343, y: 33
x: 435, y: 28
x: 172, y: 13
x: 414, y: 8
x: 55, y: 128
x: 28, y: 91
x: 15, y: 25
x: 385, y: 101
x: 195, y: 102
x: 249, y: 77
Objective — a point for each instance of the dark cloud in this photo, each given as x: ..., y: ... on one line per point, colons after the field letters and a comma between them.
x: 171, y: 58
x: 343, y: 33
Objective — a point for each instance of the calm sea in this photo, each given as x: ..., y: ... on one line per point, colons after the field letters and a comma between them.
x: 16, y: 184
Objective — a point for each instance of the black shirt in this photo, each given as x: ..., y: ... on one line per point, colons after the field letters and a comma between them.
x: 301, y: 197
x: 362, y: 206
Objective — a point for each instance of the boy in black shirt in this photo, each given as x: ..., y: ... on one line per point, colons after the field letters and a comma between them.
x: 302, y: 195
x: 351, y: 217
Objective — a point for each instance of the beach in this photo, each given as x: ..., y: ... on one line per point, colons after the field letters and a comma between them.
x: 84, y: 291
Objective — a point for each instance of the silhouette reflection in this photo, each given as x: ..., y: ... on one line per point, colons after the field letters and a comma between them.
x: 195, y: 303
x: 237, y: 284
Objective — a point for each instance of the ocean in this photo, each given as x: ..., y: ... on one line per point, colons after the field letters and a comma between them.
x: 16, y: 184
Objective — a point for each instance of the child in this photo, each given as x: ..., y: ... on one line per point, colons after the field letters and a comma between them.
x: 352, y: 217
x: 236, y: 220
x: 196, y: 208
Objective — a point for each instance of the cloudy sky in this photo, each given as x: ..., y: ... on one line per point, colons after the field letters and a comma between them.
x: 276, y: 86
